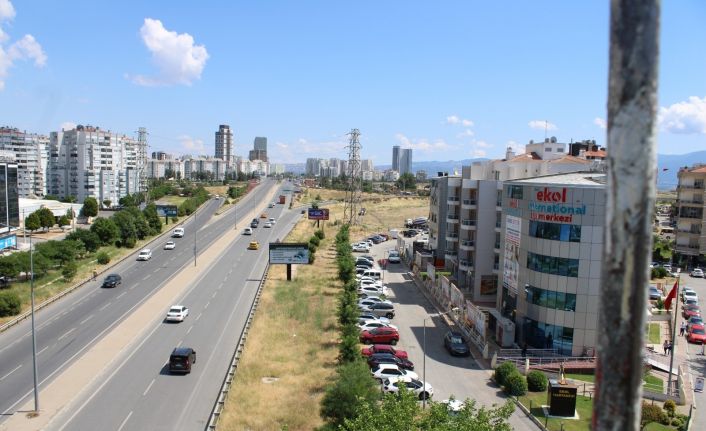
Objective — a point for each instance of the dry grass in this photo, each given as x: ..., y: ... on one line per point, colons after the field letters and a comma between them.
x: 294, y: 335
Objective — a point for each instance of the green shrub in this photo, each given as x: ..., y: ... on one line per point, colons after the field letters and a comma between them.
x: 102, y: 258
x: 314, y: 240
x: 502, y: 371
x: 320, y: 234
x: 658, y: 272
x: 515, y: 384
x: 10, y: 304
x: 676, y: 423
x: 536, y: 381
x: 659, y: 304
x: 69, y: 271
x: 670, y: 407
x: 652, y: 413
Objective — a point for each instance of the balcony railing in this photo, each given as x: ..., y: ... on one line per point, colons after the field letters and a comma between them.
x: 469, y: 201
x: 468, y: 243
x: 468, y: 222
x: 463, y: 264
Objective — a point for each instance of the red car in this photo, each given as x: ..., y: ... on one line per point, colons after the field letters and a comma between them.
x: 382, y: 335
x: 696, y: 334
x: 383, y: 348
x: 690, y: 310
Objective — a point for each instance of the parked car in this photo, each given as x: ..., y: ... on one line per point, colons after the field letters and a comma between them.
x: 690, y: 310
x: 385, y: 371
x: 360, y: 248
x: 688, y: 293
x: 383, y: 348
x: 371, y: 316
x: 384, y: 335
x: 181, y: 360
x: 381, y: 309
x: 366, y: 325
x: 112, y: 280
x: 177, y: 313
x: 421, y: 389
x: 373, y: 290
x: 170, y: 245
x: 145, y: 254
x: 696, y: 334
x: 389, y: 358
x: 697, y: 272
x: 455, y: 344
x: 694, y: 320
x: 394, y: 257
x: 364, y: 263
x: 655, y: 293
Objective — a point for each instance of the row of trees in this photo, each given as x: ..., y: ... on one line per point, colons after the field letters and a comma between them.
x: 353, y: 401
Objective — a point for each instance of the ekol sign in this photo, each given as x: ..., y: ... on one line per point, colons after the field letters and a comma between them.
x: 547, y: 195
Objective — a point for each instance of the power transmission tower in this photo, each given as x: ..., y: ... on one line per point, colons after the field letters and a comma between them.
x: 350, y: 211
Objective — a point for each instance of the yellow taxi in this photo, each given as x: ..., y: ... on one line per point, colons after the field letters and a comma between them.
x: 254, y: 245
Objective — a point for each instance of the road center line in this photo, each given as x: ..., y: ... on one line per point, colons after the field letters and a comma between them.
x: 206, y: 306
x: 190, y: 328
x: 66, y: 333
x: 148, y: 388
x: 40, y: 352
x: 214, y: 294
x: 86, y: 319
x: 121, y: 295
x: 125, y: 421
x: 3, y: 377
x: 199, y: 316
x: 104, y: 307
x: 145, y: 277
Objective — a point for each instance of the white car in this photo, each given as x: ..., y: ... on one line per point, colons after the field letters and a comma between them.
x: 361, y: 248
x: 371, y: 316
x: 268, y: 224
x: 369, y: 281
x: 421, y: 389
x: 272, y: 220
x: 370, y: 300
x: 373, y: 290
x: 366, y: 325
x: 272, y: 205
x: 145, y: 254
x: 169, y: 245
x: 689, y: 294
x: 697, y: 272
x: 247, y: 231
x: 177, y: 313
x: 178, y: 232
x: 385, y: 371
x: 394, y: 257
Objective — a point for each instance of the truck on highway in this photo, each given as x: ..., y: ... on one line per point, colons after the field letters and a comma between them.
x: 282, y: 199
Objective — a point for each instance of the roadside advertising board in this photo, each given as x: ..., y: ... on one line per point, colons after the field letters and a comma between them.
x: 283, y: 253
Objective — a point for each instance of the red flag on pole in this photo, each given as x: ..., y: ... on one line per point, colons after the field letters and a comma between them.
x: 672, y: 295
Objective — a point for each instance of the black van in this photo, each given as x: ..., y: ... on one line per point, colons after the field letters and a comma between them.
x: 181, y: 359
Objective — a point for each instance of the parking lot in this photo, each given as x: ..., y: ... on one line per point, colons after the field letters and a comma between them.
x: 460, y: 377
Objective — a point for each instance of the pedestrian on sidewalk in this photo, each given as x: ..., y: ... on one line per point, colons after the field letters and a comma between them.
x: 682, y: 328
x: 665, y: 346
x: 670, y: 347
x: 95, y: 274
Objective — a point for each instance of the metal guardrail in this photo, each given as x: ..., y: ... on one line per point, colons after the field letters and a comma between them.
x: 228, y: 380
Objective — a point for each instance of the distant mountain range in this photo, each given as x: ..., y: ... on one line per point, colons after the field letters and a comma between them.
x: 667, y: 167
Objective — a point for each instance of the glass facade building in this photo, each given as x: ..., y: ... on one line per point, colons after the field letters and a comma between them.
x: 9, y: 204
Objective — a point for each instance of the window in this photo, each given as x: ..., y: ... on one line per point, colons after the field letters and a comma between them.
x: 553, y: 265
x: 514, y: 192
x: 555, y: 231
x: 550, y: 299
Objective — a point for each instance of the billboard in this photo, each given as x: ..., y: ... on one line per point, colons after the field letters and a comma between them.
x: 167, y: 210
x: 295, y: 253
x: 511, y: 263
x: 318, y: 213
x: 8, y: 241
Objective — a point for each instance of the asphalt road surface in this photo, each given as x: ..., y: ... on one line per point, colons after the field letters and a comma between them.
x: 73, y: 324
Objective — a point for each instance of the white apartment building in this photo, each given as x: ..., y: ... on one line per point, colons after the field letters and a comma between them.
x: 31, y: 153
x: 158, y: 168
x: 224, y: 144
x: 204, y: 167
x: 88, y: 161
x: 249, y: 167
x: 691, y: 213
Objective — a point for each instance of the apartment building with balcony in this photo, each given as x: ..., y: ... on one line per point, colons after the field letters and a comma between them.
x: 88, y: 161
x: 691, y: 214
x: 30, y: 151
x: 165, y: 168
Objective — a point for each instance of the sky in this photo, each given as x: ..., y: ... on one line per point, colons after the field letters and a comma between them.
x: 450, y: 79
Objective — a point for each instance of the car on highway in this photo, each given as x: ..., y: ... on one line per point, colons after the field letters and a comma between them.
x: 263, y: 215
x: 696, y: 334
x: 254, y: 224
x: 655, y: 293
x: 170, y: 245
x: 254, y: 245
x: 247, y: 231
x: 381, y: 372
x: 181, y: 360
x: 383, y: 348
x: 380, y: 309
x: 455, y: 344
x: 267, y: 224
x: 178, y: 232
x: 697, y: 272
x: 177, y: 313
x: 394, y: 257
x: 366, y: 325
x: 384, y: 335
x: 272, y: 220
x: 112, y: 280
x: 421, y: 389
x: 389, y: 358
x: 145, y: 254
x: 272, y: 205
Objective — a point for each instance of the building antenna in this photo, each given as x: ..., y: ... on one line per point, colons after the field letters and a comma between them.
x: 546, y: 126
x: 353, y: 191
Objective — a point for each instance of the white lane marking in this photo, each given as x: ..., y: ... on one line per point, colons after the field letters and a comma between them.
x: 121, y: 295
x: 125, y: 421
x: 206, y: 306
x: 179, y: 345
x: 145, y: 277
x: 190, y: 328
x: 40, y: 352
x: 219, y: 286
x: 104, y: 307
x: 230, y: 272
x: 199, y: 316
x: 148, y: 388
x: 132, y: 287
x: 214, y: 294
x: 3, y: 377
x: 156, y: 270
x: 66, y: 334
x: 86, y: 319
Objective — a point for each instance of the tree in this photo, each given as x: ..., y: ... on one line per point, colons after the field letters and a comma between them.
x: 106, y: 229
x: 32, y: 222
x: 46, y: 218
x: 90, y: 207
x: 91, y: 241
x: 8, y: 266
x: 153, y: 219
x: 107, y: 202
x: 64, y: 221
x: 142, y: 228
x: 126, y: 226
x: 406, y: 181
x: 352, y: 389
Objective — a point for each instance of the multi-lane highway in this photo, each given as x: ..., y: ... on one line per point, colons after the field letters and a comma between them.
x: 66, y: 329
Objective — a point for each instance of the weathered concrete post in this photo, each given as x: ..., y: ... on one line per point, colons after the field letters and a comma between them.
x: 632, y: 104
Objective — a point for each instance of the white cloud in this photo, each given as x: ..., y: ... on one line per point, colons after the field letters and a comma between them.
x: 687, y: 117
x: 542, y: 124
x: 517, y: 148
x: 465, y: 134
x: 177, y: 58
x: 67, y: 125
x: 481, y: 144
x: 423, y: 145
x: 27, y: 48
x: 191, y: 145
x: 467, y: 123
x: 455, y: 119
x: 598, y: 121
x: 478, y: 153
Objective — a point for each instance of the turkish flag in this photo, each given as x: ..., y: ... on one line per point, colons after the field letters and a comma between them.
x: 672, y: 295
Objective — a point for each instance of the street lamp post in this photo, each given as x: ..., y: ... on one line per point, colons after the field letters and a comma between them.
x: 34, y: 337
x: 424, y: 351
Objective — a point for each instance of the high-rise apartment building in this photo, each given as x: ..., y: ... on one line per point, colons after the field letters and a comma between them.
x: 691, y: 213
x: 9, y: 205
x: 260, y: 143
x: 396, y: 158
x: 31, y: 153
x: 87, y: 161
x: 366, y: 165
x: 259, y: 151
x: 405, y: 161
x: 224, y: 144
